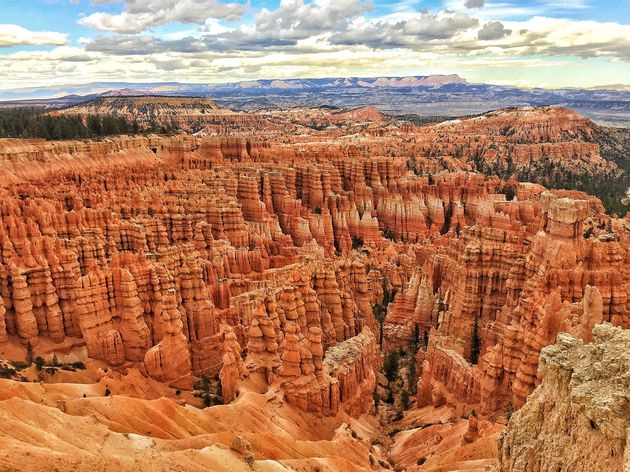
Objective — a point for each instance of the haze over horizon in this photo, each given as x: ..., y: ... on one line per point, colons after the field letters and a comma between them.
x: 541, y: 43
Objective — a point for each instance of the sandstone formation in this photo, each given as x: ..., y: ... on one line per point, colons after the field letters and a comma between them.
x: 541, y: 144
x: 280, y: 263
x: 240, y: 246
x: 578, y: 418
x: 512, y: 304
x: 232, y: 366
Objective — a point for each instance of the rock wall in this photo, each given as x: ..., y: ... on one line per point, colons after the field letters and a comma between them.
x: 344, y: 381
x: 536, y: 143
x: 501, y: 294
x: 578, y: 418
x: 229, y: 256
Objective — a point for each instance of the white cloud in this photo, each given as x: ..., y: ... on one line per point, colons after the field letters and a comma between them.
x: 14, y: 35
x: 493, y: 30
x: 293, y: 21
x: 553, y: 36
x: 312, y: 38
x: 139, y: 15
x: 415, y: 32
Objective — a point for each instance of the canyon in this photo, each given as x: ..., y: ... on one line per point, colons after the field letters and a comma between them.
x: 233, y: 296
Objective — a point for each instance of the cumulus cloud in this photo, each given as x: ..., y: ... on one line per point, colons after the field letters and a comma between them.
x: 551, y: 36
x: 299, y: 20
x: 291, y: 22
x: 140, y: 15
x: 296, y: 22
x: 412, y: 33
x: 474, y: 3
x: 14, y: 35
x: 299, y: 27
x: 303, y: 38
x: 493, y: 30
x: 138, y: 45
x: 283, y: 28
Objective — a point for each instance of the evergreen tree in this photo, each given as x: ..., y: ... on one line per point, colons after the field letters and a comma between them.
x: 404, y: 398
x: 475, y: 344
x: 390, y: 366
x: 390, y: 397
x: 357, y: 242
x: 29, y: 353
x: 412, y: 379
x: 36, y: 123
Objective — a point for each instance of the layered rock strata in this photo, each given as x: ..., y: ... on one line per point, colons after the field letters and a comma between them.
x: 235, y: 256
x: 578, y: 418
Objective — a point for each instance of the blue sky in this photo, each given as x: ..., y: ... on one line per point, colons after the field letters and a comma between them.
x: 545, y: 43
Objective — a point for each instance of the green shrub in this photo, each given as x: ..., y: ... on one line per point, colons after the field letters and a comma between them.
x: 357, y: 242
x: 29, y: 353
x: 7, y: 372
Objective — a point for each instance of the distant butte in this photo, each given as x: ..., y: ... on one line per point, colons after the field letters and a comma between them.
x: 426, y: 96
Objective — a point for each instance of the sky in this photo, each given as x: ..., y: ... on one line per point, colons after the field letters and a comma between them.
x: 534, y: 43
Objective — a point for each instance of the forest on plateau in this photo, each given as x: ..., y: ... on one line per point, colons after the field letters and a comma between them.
x: 32, y: 123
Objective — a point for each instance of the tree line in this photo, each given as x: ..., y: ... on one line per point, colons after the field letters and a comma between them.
x: 35, y: 123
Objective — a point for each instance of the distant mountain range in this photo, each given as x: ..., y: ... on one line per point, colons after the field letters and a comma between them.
x: 434, y: 95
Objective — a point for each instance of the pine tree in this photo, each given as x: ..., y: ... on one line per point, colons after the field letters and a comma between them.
x: 404, y: 398
x: 413, y: 350
x: 390, y: 366
x: 29, y: 353
x: 475, y: 344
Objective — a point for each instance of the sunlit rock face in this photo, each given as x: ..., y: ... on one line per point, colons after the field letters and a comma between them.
x: 580, y: 408
x: 507, y: 294
x: 220, y: 269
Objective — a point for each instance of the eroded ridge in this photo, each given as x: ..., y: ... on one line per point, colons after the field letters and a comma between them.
x: 581, y: 408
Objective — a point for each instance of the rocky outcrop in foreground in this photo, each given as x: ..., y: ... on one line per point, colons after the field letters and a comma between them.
x: 578, y: 419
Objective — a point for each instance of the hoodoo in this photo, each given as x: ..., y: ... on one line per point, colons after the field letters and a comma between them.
x: 329, y: 299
